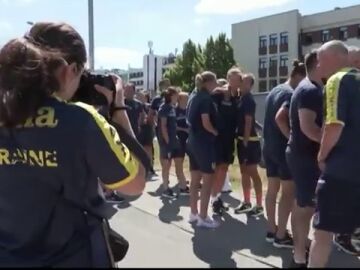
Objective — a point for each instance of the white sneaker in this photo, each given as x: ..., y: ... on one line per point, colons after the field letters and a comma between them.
x: 208, y: 223
x: 193, y: 218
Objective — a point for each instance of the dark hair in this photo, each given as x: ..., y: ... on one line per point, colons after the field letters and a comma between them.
x: 132, y: 85
x: 311, y: 61
x: 203, y: 78
x: 168, y: 93
x: 59, y: 37
x: 26, y: 80
x: 299, y: 69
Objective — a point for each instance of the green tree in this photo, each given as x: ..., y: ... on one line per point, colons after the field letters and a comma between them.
x: 219, y: 55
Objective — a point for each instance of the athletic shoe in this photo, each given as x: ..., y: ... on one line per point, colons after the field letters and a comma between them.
x: 169, y: 193
x: 297, y: 265
x: 218, y: 207
x: 193, y: 218
x: 356, y: 237
x: 114, y: 198
x: 343, y: 243
x: 286, y: 242
x: 207, y: 223
x: 185, y: 191
x: 257, y: 211
x: 244, y: 208
x: 270, y: 237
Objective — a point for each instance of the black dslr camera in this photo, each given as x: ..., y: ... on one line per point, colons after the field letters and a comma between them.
x: 88, y: 94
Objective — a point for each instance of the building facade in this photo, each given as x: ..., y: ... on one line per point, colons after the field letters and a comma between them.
x: 267, y: 46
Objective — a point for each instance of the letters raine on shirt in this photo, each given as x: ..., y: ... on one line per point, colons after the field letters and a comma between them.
x: 45, y: 118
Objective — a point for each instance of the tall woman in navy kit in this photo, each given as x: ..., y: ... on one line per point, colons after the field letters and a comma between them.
x: 201, y: 116
x: 74, y: 145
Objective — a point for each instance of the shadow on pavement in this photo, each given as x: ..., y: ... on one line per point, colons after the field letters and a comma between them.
x: 216, y: 247
x: 339, y: 259
x: 230, y: 200
x: 170, y: 210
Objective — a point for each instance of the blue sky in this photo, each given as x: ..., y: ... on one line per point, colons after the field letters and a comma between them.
x: 124, y: 27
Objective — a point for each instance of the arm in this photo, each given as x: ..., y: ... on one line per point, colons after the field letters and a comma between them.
x: 205, y: 119
x: 282, y: 120
x: 332, y: 133
x: 247, y: 128
x: 164, y: 131
x: 308, y: 125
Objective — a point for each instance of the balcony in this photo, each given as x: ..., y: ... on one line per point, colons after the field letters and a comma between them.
x: 262, y: 50
x: 262, y: 72
x: 284, y: 47
x: 273, y: 49
x: 284, y: 71
x: 273, y: 71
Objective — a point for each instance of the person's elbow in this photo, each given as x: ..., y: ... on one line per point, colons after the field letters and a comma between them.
x: 281, y: 118
x: 136, y: 186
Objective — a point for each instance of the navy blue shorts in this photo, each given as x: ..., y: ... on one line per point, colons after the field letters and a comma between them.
x: 337, y: 206
x: 276, y: 166
x: 146, y: 135
x: 180, y: 152
x: 224, y: 148
x: 305, y: 172
x: 250, y: 155
x: 201, y: 155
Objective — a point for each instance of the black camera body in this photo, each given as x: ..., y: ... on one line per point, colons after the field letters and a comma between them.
x: 88, y: 94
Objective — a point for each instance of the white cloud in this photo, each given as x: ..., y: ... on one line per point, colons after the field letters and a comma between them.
x: 110, y: 57
x: 235, y: 6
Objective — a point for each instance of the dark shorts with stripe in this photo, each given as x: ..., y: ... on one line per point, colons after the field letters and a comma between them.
x: 305, y: 173
x: 225, y: 148
x: 202, y: 155
x: 337, y: 206
x: 250, y: 155
x: 276, y: 166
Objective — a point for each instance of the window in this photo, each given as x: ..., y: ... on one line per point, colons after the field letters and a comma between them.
x: 263, y: 42
x: 343, y: 34
x: 273, y: 62
x: 325, y: 36
x: 284, y: 38
x: 284, y: 61
x: 262, y: 86
x: 283, y: 80
x: 263, y: 63
x: 273, y: 83
x: 308, y: 39
x: 273, y: 40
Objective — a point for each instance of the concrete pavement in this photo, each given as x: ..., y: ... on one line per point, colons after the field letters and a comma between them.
x: 160, y: 236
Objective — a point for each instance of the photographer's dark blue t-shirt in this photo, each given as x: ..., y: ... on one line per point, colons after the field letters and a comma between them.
x: 308, y: 95
x: 54, y: 157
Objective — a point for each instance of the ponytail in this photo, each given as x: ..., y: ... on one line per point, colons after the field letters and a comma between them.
x: 26, y: 80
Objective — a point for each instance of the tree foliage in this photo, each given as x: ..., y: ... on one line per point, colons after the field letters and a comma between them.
x: 216, y: 56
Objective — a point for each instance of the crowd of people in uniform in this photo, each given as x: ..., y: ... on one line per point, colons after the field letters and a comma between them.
x: 55, y: 155
x: 309, y: 133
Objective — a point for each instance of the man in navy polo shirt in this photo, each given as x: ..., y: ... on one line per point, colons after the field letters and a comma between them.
x: 306, y: 113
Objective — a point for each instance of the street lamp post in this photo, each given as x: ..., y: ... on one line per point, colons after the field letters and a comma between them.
x: 91, y: 34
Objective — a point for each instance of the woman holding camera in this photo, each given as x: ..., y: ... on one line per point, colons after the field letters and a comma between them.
x: 201, y: 116
x: 53, y: 153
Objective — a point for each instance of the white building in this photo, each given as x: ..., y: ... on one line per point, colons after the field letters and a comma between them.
x: 136, y: 76
x: 266, y: 46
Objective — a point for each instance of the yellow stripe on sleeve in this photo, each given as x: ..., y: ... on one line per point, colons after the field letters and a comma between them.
x: 120, y: 150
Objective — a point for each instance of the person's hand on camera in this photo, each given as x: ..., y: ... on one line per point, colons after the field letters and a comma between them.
x: 119, y: 93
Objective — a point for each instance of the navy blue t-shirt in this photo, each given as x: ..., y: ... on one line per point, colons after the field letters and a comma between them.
x: 274, y: 141
x: 199, y: 104
x: 53, y: 157
x: 168, y: 111
x: 246, y: 107
x: 181, y: 122
x: 157, y: 102
x: 308, y: 95
x: 135, y: 109
x: 342, y: 99
x: 226, y: 115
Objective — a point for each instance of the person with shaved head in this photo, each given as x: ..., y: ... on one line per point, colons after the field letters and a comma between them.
x: 338, y: 189
x: 354, y: 57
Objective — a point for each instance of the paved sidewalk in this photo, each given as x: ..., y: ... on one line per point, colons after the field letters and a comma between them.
x: 161, y: 237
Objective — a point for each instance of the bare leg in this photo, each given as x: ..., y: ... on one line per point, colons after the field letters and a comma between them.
x: 208, y: 180
x: 194, y: 191
x: 219, y: 181
x: 246, y: 183
x: 286, y: 205
x: 320, y: 249
x: 166, y: 165
x: 256, y: 180
x: 179, y: 168
x: 270, y: 203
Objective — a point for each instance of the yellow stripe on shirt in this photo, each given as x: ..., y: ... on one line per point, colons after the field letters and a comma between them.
x: 332, y: 97
x: 251, y: 139
x: 120, y: 150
